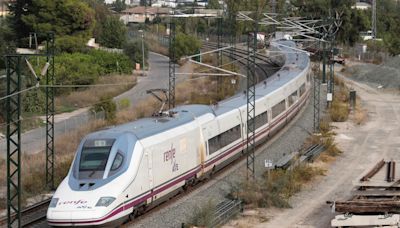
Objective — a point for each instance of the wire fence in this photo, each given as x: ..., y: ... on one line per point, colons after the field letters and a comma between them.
x: 34, y: 140
x: 361, y: 52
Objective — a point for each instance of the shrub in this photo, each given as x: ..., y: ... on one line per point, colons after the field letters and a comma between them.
x: 76, y: 68
x: 85, y: 68
x: 339, y: 111
x: 203, y: 215
x: 124, y: 103
x: 70, y: 44
x: 330, y: 147
x: 185, y: 45
x: 133, y: 49
x: 34, y: 101
x: 108, y: 106
x: 277, y: 187
x: 113, y: 32
x: 111, y: 62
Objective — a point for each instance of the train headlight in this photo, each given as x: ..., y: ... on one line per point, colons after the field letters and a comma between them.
x: 53, y: 202
x: 105, y: 201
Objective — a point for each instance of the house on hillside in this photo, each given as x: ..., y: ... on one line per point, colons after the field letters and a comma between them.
x: 139, y: 14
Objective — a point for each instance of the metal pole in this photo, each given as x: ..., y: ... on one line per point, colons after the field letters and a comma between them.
x: 317, y: 97
x: 219, y: 79
x: 172, y: 61
x: 251, y: 103
x: 374, y: 28
x: 143, y: 51
x: 13, y: 141
x: 323, y: 62
x: 50, y: 110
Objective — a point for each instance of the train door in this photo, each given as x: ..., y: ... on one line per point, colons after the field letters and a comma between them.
x: 149, y: 156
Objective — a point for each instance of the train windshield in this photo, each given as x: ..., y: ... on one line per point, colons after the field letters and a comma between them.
x: 94, y: 155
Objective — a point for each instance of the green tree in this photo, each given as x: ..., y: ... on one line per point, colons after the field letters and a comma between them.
x: 7, y: 46
x: 133, y: 49
x: 18, y: 9
x: 101, y: 12
x: 213, y: 4
x: 185, y: 45
x: 64, y: 17
x: 108, y: 106
x: 119, y: 5
x: 113, y: 33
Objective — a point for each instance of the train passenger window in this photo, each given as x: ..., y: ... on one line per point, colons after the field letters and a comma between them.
x: 292, y: 98
x: 117, y: 162
x: 278, y: 108
x: 260, y: 120
x: 224, y: 139
x: 302, y: 89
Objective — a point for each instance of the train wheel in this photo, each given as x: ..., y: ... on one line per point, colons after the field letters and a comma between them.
x: 185, y: 186
x: 212, y: 172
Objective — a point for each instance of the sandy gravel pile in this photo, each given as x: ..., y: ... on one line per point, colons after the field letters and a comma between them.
x: 386, y: 75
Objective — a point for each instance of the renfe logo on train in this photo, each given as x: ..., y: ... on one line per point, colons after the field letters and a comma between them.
x: 169, y: 155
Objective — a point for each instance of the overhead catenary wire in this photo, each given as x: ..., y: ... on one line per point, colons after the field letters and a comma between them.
x: 65, y: 86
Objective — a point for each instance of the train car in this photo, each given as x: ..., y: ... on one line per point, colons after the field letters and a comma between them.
x: 124, y: 170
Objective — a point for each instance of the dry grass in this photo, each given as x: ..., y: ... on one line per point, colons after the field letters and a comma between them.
x: 359, y: 114
x: 275, y: 189
x: 203, y: 215
x: 155, y: 45
x: 92, y: 95
x: 339, y: 109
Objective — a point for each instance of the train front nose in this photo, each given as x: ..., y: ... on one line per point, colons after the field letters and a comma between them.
x: 73, y: 212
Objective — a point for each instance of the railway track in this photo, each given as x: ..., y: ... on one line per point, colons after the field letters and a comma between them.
x: 31, y: 216
x: 264, y: 64
x: 35, y: 215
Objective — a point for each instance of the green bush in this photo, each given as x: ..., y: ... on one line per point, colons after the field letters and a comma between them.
x: 70, y: 44
x: 85, y: 68
x: 111, y: 62
x: 34, y: 101
x: 108, y: 106
x: 124, y: 103
x: 113, y: 32
x: 76, y: 68
x: 185, y: 45
x: 133, y: 49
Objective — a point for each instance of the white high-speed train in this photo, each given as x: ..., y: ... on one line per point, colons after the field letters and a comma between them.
x: 125, y: 169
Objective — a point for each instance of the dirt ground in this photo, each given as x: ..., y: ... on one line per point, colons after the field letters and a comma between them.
x: 363, y: 146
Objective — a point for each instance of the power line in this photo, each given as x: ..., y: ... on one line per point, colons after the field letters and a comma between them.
x: 65, y: 86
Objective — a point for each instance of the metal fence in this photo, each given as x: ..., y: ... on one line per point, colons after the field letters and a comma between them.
x: 224, y: 211
x: 34, y: 140
x: 363, y: 53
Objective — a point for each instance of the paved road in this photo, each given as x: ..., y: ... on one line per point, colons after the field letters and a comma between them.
x: 156, y: 78
x: 34, y: 141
